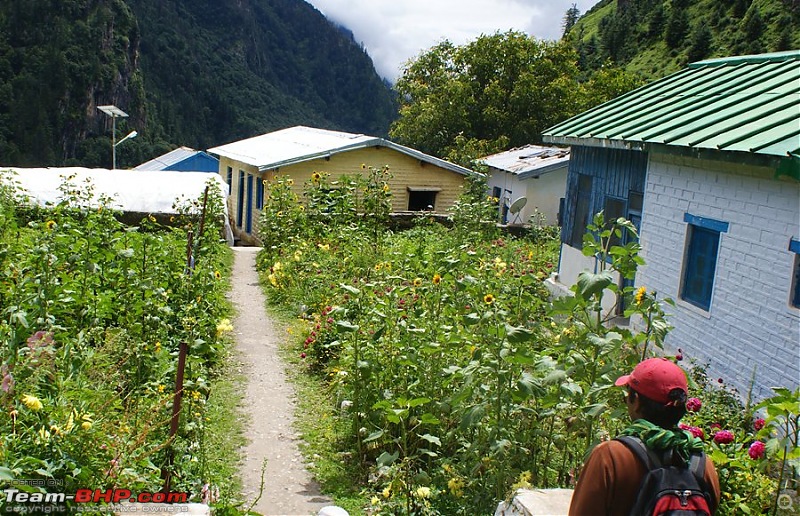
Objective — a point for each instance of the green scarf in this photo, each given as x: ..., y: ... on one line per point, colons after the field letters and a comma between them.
x: 659, y: 439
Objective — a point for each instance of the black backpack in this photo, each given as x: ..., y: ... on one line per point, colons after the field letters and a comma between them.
x: 668, y: 489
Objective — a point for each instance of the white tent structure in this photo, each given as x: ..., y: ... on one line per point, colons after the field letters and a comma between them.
x: 134, y: 191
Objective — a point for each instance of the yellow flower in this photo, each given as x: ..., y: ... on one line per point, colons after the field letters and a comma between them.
x: 386, y: 188
x: 423, y: 492
x: 378, y: 266
x: 217, y: 274
x: 640, y: 293
x: 51, y: 224
x: 456, y: 487
x: 277, y: 266
x: 151, y: 218
x: 387, y: 492
x: 161, y: 388
x: 273, y: 280
x: 55, y: 429
x: 32, y: 402
x: 86, y: 425
x: 224, y: 326
x: 375, y: 500
x: 437, y: 279
x: 488, y: 299
x: 363, y: 166
x: 157, y: 346
x: 324, y: 247
x: 290, y: 182
x: 44, y: 435
x: 195, y: 395
x: 417, y: 282
x: 316, y: 177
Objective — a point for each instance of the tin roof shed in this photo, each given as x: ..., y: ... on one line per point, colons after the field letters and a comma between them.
x: 528, y: 161
x: 183, y: 159
x: 748, y: 105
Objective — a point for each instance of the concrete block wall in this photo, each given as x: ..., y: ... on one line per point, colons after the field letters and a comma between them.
x: 751, y: 331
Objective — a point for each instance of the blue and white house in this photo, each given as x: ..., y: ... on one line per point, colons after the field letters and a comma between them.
x: 706, y: 163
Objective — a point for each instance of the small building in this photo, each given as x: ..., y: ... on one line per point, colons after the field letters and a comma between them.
x: 535, y: 174
x: 182, y: 159
x: 419, y: 182
x: 706, y: 163
x: 135, y: 193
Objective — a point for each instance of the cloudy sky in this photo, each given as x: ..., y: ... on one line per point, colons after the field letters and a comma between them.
x: 394, y: 31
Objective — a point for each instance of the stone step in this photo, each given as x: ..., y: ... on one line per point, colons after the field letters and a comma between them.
x: 537, y: 502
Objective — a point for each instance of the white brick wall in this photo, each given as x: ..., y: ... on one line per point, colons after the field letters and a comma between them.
x: 750, y: 325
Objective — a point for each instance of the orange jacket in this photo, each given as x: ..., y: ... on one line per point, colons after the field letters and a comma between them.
x: 609, y: 482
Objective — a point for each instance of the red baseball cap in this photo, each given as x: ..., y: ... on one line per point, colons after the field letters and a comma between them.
x: 654, y: 378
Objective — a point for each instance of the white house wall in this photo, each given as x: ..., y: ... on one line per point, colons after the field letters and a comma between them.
x: 750, y: 331
x: 543, y: 194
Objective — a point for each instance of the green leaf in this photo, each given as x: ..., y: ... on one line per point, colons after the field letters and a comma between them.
x: 473, y: 416
x: 518, y: 334
x: 589, y: 284
x: 431, y: 439
x: 373, y: 436
x: 6, y: 474
x: 416, y: 402
x: 429, y: 419
x: 386, y: 459
x: 350, y: 289
x: 346, y: 326
x: 471, y: 319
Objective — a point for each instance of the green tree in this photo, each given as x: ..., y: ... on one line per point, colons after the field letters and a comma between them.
x: 700, y: 43
x: 570, y: 18
x: 677, y: 26
x: 506, y: 87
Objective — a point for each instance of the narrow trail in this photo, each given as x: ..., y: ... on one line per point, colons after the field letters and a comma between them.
x: 288, y: 486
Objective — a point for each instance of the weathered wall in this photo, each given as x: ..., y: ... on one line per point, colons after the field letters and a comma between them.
x: 406, y: 172
x: 750, y: 326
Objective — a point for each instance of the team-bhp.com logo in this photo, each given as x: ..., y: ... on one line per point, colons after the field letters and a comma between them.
x: 24, y: 502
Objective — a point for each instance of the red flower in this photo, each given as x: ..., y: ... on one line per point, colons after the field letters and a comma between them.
x: 715, y: 425
x: 693, y: 404
x: 723, y: 437
x: 756, y: 450
x: 758, y: 424
x: 694, y: 430
x: 302, y: 355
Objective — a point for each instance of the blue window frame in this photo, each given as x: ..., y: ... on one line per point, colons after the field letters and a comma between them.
x: 240, y: 199
x: 794, y: 246
x: 581, y: 214
x: 700, y: 263
x: 259, y: 194
x: 249, y: 222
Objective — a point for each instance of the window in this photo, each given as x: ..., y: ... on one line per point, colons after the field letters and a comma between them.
x: 230, y: 177
x: 422, y: 198
x: 581, y: 216
x: 794, y: 246
x: 700, y: 262
x: 614, y: 208
x: 260, y: 194
x: 249, y: 221
x: 240, y: 199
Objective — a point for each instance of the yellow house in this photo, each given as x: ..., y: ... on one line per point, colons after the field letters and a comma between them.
x: 419, y: 182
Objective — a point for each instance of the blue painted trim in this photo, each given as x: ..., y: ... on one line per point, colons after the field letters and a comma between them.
x: 703, y: 222
x: 794, y: 246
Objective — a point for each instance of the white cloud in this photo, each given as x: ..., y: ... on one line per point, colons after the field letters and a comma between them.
x: 394, y: 31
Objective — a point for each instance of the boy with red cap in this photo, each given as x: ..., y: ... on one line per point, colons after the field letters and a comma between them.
x: 610, y: 480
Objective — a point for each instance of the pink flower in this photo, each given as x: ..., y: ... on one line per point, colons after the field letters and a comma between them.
x: 756, y: 450
x: 723, y: 437
x: 693, y: 404
x: 694, y: 430
x: 758, y: 424
x: 715, y: 425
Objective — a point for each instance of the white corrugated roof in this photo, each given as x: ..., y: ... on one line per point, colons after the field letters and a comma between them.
x: 528, y: 160
x: 297, y: 144
x: 141, y: 191
x: 166, y: 160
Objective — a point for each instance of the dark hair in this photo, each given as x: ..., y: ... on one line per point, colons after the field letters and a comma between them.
x: 665, y: 416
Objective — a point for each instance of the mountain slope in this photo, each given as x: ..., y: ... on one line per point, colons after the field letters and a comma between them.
x: 188, y: 72
x: 656, y: 37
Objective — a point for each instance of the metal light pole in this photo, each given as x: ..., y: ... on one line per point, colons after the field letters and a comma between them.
x: 114, y: 112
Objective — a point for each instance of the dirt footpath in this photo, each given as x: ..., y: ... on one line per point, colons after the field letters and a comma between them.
x: 288, y: 486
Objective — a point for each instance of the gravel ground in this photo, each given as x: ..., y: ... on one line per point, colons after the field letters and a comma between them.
x: 288, y: 486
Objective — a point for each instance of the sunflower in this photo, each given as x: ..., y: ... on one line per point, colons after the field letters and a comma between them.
x: 316, y: 177
x: 488, y: 299
x: 417, y: 282
x: 437, y: 279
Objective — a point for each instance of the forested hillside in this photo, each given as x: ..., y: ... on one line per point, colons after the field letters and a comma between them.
x: 188, y: 72
x: 656, y: 37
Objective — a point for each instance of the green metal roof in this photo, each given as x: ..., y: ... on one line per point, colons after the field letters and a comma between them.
x: 747, y: 104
